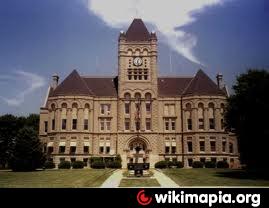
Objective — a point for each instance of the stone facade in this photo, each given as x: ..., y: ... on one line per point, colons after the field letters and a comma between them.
x: 184, y: 126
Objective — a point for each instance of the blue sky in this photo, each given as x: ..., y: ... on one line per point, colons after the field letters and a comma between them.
x: 42, y: 37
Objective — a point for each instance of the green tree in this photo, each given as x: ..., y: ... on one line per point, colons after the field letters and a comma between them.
x: 27, y: 154
x: 247, y: 114
x: 8, y: 132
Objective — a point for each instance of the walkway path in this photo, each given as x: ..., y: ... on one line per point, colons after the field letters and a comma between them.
x: 113, y: 181
x: 164, y: 180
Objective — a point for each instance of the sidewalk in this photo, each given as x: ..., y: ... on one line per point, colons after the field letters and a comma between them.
x: 113, y: 181
x: 164, y: 180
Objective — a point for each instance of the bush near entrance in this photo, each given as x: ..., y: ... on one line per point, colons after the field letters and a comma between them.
x: 49, y: 165
x: 197, y: 164
x: 114, y: 164
x: 78, y: 165
x: 168, y: 164
x: 222, y: 164
x: 98, y: 165
x: 210, y: 164
x: 64, y: 165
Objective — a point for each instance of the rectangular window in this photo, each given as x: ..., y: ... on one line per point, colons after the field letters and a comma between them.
x: 224, y: 143
x: 173, y: 124
x: 101, y: 149
x: 211, y: 123
x: 86, y: 149
x: 85, y: 161
x: 74, y: 124
x: 189, y: 124
x: 64, y: 124
x: 202, y: 146
x: 166, y: 123
x: 231, y: 148
x: 108, y: 126
x: 213, y: 146
x: 148, y: 124
x: 148, y: 108
x: 102, y: 109
x: 45, y: 126
x: 86, y: 124
x: 201, y: 123
x: 137, y: 126
x: 127, y: 124
x: 127, y: 108
x: 62, y: 149
x: 190, y: 161
x: 50, y: 150
x: 53, y: 124
x: 167, y: 149
x: 222, y: 124
x: 107, y: 150
x: 62, y: 159
x: 73, y: 159
x: 213, y: 159
x: 73, y: 150
x: 174, y: 149
x: 189, y: 143
x: 102, y: 124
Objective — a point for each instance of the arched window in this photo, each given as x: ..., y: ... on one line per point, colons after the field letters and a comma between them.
x: 211, y: 115
x: 74, y: 115
x: 52, y: 115
x: 53, y: 106
x: 137, y: 52
x: 188, y: 115
x: 63, y: 115
x: 86, y: 117
x: 201, y: 116
x: 137, y: 96
x: 148, y: 96
x: 127, y: 96
x: 145, y: 52
x: 129, y: 52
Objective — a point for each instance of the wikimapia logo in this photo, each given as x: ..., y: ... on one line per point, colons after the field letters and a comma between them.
x: 171, y: 197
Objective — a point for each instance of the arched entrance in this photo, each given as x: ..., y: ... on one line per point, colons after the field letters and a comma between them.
x: 138, y: 150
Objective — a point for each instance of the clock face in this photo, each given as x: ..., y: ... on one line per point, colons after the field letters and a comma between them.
x: 137, y: 61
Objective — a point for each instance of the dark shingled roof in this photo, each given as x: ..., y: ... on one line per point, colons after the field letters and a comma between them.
x: 72, y: 85
x: 102, y: 86
x: 172, y: 86
x: 137, y: 31
x: 201, y: 84
x: 75, y: 84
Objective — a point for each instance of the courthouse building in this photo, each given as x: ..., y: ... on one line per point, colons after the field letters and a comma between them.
x: 169, y: 118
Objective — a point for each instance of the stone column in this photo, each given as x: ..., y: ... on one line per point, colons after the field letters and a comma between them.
x: 142, y: 116
x: 69, y: 119
x: 217, y: 119
x: 206, y: 120
x: 194, y: 119
x: 132, y: 116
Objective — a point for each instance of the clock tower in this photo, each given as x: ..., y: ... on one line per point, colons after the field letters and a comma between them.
x: 137, y: 61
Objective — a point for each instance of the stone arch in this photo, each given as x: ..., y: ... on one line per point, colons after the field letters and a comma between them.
x: 139, y: 138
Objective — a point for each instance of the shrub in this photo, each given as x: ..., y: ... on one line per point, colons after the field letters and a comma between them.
x: 108, y: 159
x: 49, y: 165
x: 114, y: 164
x: 64, y: 165
x: 161, y: 164
x: 98, y: 165
x: 210, y: 164
x: 178, y: 164
x: 78, y: 165
x: 94, y: 159
x: 222, y: 164
x: 197, y: 164
x: 118, y: 158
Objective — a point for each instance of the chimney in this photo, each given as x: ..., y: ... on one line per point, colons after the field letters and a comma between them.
x: 55, y: 80
x: 220, y: 80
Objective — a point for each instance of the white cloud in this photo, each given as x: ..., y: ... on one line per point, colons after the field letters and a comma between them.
x: 165, y: 15
x: 33, y: 82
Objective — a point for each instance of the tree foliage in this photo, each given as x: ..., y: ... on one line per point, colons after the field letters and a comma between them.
x: 14, y: 132
x: 248, y: 113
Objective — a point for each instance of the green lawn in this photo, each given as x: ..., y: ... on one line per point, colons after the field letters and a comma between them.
x: 54, y: 178
x: 141, y: 182
x: 217, y: 177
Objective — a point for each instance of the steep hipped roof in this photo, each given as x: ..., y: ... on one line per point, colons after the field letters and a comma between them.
x: 172, y: 86
x: 137, y: 31
x: 102, y: 86
x: 201, y: 84
x: 72, y: 85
